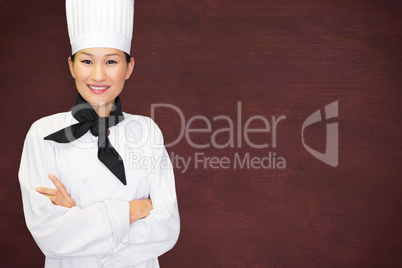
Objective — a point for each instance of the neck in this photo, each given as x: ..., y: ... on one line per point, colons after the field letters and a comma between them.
x: 103, y: 110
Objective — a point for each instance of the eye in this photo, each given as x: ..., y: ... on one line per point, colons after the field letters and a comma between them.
x: 111, y: 62
x: 86, y: 61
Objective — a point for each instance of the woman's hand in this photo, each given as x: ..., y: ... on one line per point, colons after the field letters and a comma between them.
x: 58, y: 197
x: 140, y: 209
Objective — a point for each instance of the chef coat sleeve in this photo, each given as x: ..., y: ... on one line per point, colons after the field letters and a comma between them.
x: 62, y: 232
x: 156, y: 234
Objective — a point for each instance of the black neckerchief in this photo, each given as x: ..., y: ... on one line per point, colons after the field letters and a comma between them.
x: 89, y: 120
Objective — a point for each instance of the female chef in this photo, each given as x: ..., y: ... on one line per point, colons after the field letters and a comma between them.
x: 97, y: 183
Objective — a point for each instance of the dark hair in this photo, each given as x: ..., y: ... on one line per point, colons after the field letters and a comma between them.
x: 128, y: 58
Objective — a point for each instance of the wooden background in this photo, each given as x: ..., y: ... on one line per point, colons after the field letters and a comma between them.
x: 277, y: 58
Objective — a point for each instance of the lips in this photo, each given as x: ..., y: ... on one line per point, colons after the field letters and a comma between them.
x: 98, y: 89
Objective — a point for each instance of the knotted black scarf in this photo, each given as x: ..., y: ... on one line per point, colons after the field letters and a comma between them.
x: 89, y: 120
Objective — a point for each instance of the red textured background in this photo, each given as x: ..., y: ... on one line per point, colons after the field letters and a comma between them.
x: 275, y: 57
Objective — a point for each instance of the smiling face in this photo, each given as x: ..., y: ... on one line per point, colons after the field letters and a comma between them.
x: 100, y: 74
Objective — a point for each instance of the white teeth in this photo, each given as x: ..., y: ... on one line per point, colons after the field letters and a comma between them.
x: 97, y: 88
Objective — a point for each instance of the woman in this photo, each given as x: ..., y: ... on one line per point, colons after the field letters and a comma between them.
x: 91, y: 197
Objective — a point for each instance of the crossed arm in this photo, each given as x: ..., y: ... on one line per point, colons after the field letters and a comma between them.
x: 139, y: 208
x: 101, y: 227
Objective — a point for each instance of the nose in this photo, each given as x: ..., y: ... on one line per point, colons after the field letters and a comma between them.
x: 98, y: 73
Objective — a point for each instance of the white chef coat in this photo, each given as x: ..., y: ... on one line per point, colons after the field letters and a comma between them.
x: 96, y: 232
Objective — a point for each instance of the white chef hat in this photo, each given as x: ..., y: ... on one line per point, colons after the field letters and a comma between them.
x: 100, y: 23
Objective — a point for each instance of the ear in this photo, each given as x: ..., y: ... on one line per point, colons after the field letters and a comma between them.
x: 130, y: 68
x: 71, y: 66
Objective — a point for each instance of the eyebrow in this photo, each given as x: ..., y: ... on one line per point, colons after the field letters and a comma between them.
x: 107, y: 55
x: 88, y: 54
x: 112, y: 54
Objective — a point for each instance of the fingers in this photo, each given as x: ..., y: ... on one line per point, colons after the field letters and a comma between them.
x: 58, y: 197
x: 149, y: 204
x: 139, y: 209
x: 50, y: 193
x: 58, y: 184
x: 52, y: 198
x: 46, y: 191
